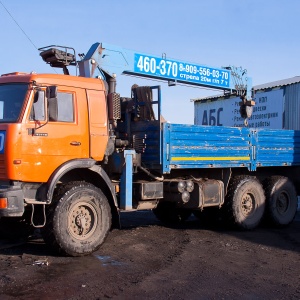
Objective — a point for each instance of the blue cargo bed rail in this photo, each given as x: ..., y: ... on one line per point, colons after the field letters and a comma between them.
x: 192, y: 146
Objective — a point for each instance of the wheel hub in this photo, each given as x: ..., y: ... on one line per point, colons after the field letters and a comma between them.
x: 82, y: 220
x: 282, y: 203
x: 247, y: 204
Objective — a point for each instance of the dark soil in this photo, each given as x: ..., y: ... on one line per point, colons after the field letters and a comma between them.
x: 147, y: 260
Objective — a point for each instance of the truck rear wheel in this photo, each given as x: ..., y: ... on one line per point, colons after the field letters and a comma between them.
x: 79, y: 219
x: 281, y: 205
x: 245, y: 201
x: 168, y: 213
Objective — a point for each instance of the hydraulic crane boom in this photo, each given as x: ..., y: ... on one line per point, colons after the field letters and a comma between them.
x: 105, y: 59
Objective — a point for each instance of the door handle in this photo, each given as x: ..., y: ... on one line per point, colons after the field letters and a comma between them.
x: 75, y: 143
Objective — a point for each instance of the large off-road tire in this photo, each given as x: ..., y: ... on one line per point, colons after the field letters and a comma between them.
x: 245, y: 202
x: 168, y: 213
x: 78, y: 220
x: 281, y: 201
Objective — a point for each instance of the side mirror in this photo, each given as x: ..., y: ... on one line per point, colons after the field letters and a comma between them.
x: 38, y: 95
x: 51, y: 94
x: 51, y: 91
x: 52, y: 109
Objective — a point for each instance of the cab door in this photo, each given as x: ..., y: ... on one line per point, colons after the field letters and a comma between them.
x: 50, y: 143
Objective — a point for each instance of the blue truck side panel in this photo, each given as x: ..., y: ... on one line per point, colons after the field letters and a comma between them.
x: 191, y: 146
x: 150, y: 130
x: 277, y: 147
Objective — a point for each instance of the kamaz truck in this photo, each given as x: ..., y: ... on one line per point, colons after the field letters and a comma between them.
x: 74, y: 152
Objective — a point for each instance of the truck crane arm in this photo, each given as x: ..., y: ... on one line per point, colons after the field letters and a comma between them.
x: 113, y: 60
x: 108, y: 61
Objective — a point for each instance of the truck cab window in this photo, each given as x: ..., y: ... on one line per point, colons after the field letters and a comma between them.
x: 11, y: 101
x: 37, y: 112
x: 65, y: 107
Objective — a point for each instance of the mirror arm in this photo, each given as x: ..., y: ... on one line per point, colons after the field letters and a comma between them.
x: 32, y: 131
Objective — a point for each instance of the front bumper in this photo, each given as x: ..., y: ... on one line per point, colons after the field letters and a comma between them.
x: 14, y: 203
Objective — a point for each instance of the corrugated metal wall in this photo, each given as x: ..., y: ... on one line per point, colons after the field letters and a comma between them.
x: 292, y: 106
x: 289, y: 99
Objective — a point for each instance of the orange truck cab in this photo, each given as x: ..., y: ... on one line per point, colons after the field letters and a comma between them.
x: 52, y: 129
x: 36, y: 143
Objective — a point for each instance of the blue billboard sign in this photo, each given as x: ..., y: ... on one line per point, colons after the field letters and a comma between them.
x: 159, y: 67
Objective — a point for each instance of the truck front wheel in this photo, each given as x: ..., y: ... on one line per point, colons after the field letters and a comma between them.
x: 281, y: 206
x: 245, y: 201
x: 79, y: 219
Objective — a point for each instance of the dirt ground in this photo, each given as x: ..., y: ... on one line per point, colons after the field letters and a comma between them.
x: 147, y: 260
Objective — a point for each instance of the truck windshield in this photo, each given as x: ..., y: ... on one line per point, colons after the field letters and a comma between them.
x: 11, y: 100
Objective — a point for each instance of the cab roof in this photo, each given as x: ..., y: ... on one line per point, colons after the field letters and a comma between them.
x: 53, y: 79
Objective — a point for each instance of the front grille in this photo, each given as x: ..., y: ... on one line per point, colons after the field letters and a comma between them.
x: 3, y: 173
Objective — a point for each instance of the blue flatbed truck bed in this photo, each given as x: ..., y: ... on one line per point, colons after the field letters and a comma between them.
x: 199, y: 147
x: 243, y: 171
x: 193, y: 146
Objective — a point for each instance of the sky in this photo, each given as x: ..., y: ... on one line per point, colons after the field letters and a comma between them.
x: 261, y: 36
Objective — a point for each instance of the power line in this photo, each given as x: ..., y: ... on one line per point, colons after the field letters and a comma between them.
x: 19, y: 26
